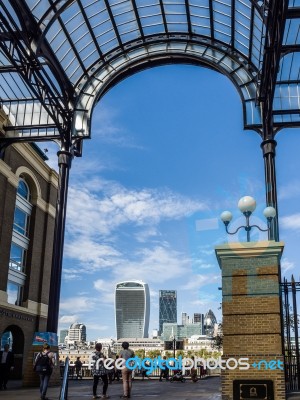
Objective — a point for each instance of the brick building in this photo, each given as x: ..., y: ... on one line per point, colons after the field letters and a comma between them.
x: 28, y: 191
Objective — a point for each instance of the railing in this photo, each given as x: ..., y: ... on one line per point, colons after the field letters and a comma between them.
x: 86, y: 373
x: 290, y: 294
x: 64, y: 386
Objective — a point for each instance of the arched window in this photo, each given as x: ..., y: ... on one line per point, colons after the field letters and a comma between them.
x: 19, y: 244
x: 23, y: 190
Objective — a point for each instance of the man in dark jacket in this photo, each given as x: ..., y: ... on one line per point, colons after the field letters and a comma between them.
x: 6, y: 365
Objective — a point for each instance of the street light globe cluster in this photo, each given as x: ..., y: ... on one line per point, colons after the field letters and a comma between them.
x: 247, y: 206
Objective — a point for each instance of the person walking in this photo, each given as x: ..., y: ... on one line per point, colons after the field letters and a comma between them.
x: 164, y: 373
x: 6, y: 365
x: 78, y: 366
x: 99, y: 371
x: 126, y: 353
x: 43, y: 365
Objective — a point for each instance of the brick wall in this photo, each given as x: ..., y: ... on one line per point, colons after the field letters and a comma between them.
x: 251, y: 313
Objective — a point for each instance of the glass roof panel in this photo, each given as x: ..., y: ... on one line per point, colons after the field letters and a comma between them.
x: 11, y: 15
x: 256, y: 39
x: 223, y: 37
x: 229, y: 65
x: 38, y: 7
x: 287, y: 97
x: 153, y: 29
x: 152, y: 20
x: 83, y: 33
x: 12, y: 86
x: 292, y: 32
x: 171, y: 8
x: 249, y: 91
x: 253, y: 113
x: 289, y: 67
x: 200, y: 17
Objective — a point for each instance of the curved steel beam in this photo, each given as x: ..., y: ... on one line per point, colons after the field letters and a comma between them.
x: 160, y: 51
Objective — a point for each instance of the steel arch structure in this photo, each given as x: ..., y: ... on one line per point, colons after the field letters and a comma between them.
x: 58, y: 57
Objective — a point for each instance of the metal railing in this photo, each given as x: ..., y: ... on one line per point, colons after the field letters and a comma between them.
x: 64, y: 386
x: 290, y: 293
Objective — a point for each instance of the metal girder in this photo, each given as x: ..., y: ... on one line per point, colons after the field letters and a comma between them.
x: 19, y: 50
x: 275, y: 24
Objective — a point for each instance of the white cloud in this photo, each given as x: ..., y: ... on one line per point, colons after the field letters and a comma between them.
x: 291, y: 190
x: 68, y: 319
x: 290, y: 222
x: 286, y: 265
x: 102, y: 214
x: 107, y: 290
x: 102, y: 285
x: 80, y: 304
x: 92, y: 255
x: 198, y: 281
x: 108, y: 130
x: 154, y: 265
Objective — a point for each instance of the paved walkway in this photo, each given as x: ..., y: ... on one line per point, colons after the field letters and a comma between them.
x: 206, y: 389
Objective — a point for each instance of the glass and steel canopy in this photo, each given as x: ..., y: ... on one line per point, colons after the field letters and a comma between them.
x: 58, y: 57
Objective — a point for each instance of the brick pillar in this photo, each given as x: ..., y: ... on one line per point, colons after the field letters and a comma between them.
x: 252, y: 319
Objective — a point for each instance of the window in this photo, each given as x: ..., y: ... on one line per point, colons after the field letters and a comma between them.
x: 23, y: 190
x: 19, y: 245
x: 21, y: 221
x: 17, y: 257
x: 14, y: 293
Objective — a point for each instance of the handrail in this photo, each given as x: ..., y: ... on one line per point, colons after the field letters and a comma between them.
x: 64, y: 386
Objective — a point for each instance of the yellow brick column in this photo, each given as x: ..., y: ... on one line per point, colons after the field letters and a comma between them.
x: 252, y: 319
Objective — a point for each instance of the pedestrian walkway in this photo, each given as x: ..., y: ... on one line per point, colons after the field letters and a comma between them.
x: 206, y: 389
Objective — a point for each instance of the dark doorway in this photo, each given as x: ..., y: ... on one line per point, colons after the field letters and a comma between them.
x: 14, y: 336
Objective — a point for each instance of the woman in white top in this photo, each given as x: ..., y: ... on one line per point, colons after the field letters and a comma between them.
x: 126, y: 353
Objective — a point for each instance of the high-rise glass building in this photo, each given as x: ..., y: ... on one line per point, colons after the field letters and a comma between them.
x: 167, y: 307
x: 132, y: 305
x: 209, y: 323
x: 62, y: 335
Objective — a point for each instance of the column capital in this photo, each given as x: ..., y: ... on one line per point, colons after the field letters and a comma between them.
x: 248, y: 249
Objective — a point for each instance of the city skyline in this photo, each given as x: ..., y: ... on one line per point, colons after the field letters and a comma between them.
x: 168, y: 154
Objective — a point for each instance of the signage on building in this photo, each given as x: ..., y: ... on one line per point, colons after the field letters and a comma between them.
x: 13, y: 314
x: 45, y: 337
x: 253, y: 389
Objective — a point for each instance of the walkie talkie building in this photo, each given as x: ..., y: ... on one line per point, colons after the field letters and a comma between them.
x: 132, y: 305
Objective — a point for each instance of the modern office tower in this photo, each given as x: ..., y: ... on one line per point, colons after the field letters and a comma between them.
x: 184, y: 318
x: 77, y: 333
x: 209, y: 323
x: 155, y: 334
x: 180, y: 332
x: 62, y: 335
x: 199, y: 319
x: 132, y: 306
x: 167, y: 307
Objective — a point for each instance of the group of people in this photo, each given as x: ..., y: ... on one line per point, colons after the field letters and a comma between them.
x: 45, y: 361
x: 99, y: 371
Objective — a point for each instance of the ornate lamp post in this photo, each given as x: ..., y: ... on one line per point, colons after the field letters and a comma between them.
x: 247, y: 205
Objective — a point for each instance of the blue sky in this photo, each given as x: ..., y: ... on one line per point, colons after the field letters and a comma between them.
x: 168, y: 154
